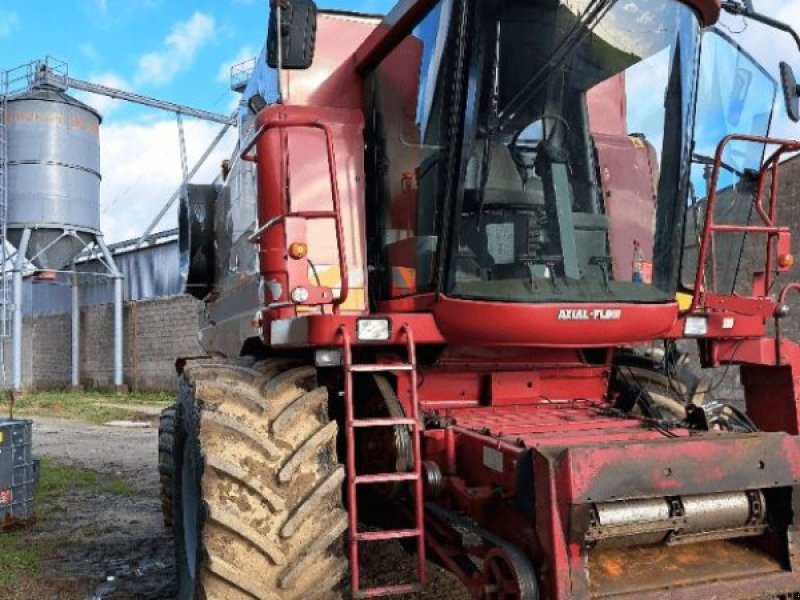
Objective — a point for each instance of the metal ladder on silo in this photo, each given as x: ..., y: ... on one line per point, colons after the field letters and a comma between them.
x: 5, y: 287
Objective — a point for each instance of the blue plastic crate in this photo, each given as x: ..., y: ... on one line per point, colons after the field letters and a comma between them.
x: 19, y: 472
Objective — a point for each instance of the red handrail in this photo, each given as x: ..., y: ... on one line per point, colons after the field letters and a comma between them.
x: 769, y: 228
x: 335, y: 214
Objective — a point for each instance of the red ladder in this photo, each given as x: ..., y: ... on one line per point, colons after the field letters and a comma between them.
x: 354, y: 479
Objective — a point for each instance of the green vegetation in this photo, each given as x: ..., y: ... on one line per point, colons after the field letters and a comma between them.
x: 119, y: 487
x: 90, y: 406
x: 21, y: 559
x: 56, y: 480
x: 21, y: 552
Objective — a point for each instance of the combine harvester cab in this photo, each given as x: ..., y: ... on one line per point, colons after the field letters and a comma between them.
x: 470, y: 218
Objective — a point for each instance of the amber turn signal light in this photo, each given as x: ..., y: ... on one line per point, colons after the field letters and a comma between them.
x: 786, y: 261
x: 298, y: 250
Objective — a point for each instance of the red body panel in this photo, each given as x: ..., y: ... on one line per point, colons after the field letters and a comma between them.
x: 629, y: 168
x: 331, y: 81
x: 299, y: 155
x: 553, y: 325
x: 578, y: 456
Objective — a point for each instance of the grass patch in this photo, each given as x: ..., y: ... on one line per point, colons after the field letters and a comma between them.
x: 56, y: 480
x: 89, y: 406
x: 20, y: 553
x: 120, y: 487
x: 21, y: 560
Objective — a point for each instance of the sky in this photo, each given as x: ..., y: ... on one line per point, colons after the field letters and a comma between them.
x: 176, y: 50
x: 181, y: 51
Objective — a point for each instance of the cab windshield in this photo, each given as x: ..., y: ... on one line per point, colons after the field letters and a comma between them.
x: 577, y: 146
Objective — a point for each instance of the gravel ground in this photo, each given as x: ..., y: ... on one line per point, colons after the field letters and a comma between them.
x: 112, y: 547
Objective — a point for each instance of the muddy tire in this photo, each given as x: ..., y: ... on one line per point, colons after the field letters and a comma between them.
x: 257, y: 492
x: 166, y: 464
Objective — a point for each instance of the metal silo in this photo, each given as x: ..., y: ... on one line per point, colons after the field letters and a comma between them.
x: 53, y: 175
x: 50, y: 200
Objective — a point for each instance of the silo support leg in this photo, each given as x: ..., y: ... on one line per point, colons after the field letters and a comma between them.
x: 118, y: 278
x: 19, y: 266
x: 118, y: 333
x: 76, y: 332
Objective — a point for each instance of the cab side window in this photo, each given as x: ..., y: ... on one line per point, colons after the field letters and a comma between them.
x: 407, y: 149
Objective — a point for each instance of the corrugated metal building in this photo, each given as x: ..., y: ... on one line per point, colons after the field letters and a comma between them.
x: 150, y: 272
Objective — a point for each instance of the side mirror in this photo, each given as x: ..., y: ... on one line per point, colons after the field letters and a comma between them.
x: 296, y: 35
x: 791, y: 92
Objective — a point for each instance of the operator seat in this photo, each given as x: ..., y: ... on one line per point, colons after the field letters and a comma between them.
x: 491, y: 242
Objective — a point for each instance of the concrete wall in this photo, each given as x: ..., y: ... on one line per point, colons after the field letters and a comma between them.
x: 156, y: 333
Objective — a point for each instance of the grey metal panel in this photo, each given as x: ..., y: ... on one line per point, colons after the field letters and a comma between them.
x: 234, y: 223
x: 51, y: 248
x: 150, y: 272
x: 53, y: 172
x: 229, y: 319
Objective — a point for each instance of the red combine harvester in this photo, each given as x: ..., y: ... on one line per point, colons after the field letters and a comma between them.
x: 427, y: 324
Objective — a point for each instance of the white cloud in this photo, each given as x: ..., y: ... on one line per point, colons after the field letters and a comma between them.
x: 9, y: 23
x: 137, y: 183
x: 177, y: 52
x: 245, y: 53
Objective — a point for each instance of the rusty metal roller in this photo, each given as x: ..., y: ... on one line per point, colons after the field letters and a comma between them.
x: 677, y: 520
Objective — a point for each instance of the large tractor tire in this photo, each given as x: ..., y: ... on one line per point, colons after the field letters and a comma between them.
x: 258, y: 506
x: 166, y: 464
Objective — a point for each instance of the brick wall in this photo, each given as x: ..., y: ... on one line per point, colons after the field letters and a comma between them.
x: 160, y: 331
x: 156, y: 333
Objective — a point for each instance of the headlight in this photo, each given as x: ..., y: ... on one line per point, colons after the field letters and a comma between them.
x: 328, y: 357
x: 695, y: 326
x: 372, y: 330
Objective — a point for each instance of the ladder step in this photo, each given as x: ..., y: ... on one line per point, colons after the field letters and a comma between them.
x: 380, y: 368
x: 389, y: 590
x: 385, y: 478
x: 383, y: 422
x: 390, y: 534
x: 415, y: 425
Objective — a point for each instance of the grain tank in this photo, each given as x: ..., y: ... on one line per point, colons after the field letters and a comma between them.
x: 53, y: 175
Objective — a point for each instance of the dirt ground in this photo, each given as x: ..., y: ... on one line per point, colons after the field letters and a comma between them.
x: 113, y: 546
